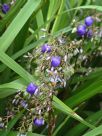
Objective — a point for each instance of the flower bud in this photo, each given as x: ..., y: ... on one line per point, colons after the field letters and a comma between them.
x: 32, y: 89
x: 89, y: 21
x: 5, y: 8
x: 55, y: 61
x: 38, y: 122
x: 46, y: 48
x: 89, y: 33
x: 81, y: 30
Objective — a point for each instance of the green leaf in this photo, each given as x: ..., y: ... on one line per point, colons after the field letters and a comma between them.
x: 18, y: 23
x: 15, y: 67
x: 13, y: 133
x: 5, y: 92
x: 80, y: 128
x: 64, y: 108
x: 53, y: 7
x: 16, y: 84
x: 59, y: 17
x: 60, y: 126
x: 12, y: 87
x: 93, y: 75
x: 19, y: 41
x: 87, y: 92
x: 98, y: 8
x: 40, y: 21
x: 11, y: 14
x: 95, y: 132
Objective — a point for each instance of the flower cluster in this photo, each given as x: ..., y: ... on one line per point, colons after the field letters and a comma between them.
x: 37, y: 100
x: 83, y: 29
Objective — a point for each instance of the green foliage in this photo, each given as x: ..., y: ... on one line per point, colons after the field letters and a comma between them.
x: 95, y: 132
x: 20, y: 31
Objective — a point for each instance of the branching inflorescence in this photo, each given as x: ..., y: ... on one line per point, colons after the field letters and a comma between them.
x: 54, y: 64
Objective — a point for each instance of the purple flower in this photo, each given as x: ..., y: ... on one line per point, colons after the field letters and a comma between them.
x: 38, y: 122
x: 32, y: 89
x: 81, y: 30
x: 55, y: 61
x: 89, y: 33
x: 5, y: 8
x: 46, y: 48
x: 89, y: 21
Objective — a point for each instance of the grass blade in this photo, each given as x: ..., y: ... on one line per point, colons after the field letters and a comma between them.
x: 64, y: 108
x: 19, y: 22
x: 95, y: 132
x: 90, y: 90
x: 15, y: 67
x: 80, y: 128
